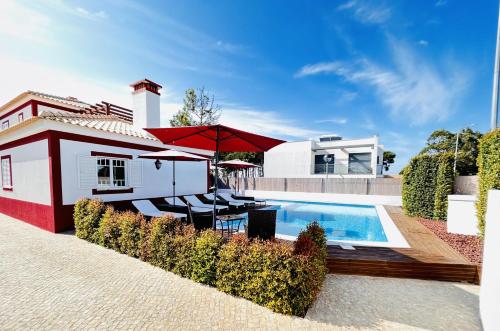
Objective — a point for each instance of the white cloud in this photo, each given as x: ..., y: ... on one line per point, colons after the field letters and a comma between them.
x: 21, y: 22
x: 414, y: 89
x: 423, y: 42
x: 318, y: 68
x: 367, y: 12
x: 19, y: 76
x: 269, y: 123
x: 80, y: 11
x: 338, y: 120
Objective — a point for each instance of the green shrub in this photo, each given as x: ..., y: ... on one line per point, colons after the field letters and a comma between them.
x: 427, y: 182
x: 205, y: 256
x: 184, y: 244
x: 161, y: 241
x: 109, y: 230
x: 86, y: 215
x: 230, y: 278
x: 489, y: 172
x: 130, y: 232
x: 419, y: 186
x: 444, y: 185
x: 317, y: 235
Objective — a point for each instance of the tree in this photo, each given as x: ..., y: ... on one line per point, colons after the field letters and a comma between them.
x: 255, y: 158
x: 442, y: 141
x: 198, y: 109
x: 388, y: 159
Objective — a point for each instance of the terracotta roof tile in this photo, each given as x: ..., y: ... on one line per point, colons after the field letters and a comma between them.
x: 109, y: 123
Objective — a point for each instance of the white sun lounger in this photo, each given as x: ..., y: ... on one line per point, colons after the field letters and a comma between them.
x: 230, y: 199
x: 210, y: 196
x: 179, y: 202
x: 195, y: 202
x: 147, y: 208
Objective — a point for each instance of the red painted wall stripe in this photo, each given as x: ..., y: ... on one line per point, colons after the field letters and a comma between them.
x: 33, y: 213
x: 121, y: 156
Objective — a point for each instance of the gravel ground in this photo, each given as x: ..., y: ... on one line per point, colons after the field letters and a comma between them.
x: 471, y: 247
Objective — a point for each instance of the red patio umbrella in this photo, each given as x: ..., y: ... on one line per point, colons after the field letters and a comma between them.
x: 237, y: 164
x: 218, y: 138
x: 172, y: 155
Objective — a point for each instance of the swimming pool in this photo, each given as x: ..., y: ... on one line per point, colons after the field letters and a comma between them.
x: 342, y: 222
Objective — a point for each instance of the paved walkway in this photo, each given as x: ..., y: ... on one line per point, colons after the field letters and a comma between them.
x: 58, y: 282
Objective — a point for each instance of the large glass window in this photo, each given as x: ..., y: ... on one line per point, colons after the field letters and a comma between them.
x: 6, y: 173
x: 360, y: 163
x: 111, y: 172
x: 320, y: 164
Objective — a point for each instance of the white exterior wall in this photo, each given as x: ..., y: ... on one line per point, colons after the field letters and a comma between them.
x: 461, y: 214
x: 288, y: 160
x: 490, y: 285
x: 191, y: 177
x: 296, y: 159
x: 30, y: 173
x: 14, y: 117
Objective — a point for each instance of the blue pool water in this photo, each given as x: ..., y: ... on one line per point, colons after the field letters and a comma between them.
x: 341, y: 222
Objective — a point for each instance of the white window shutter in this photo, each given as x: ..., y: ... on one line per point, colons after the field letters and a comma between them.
x: 87, y: 172
x: 135, y: 173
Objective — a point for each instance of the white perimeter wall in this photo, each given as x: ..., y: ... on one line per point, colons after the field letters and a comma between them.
x: 461, y: 215
x: 490, y: 279
x: 30, y: 173
x: 355, y: 199
x: 191, y: 177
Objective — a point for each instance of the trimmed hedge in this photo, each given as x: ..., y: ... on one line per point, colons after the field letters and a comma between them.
x: 488, y: 163
x: 427, y: 182
x: 205, y: 257
x: 282, y: 276
x: 161, y: 241
x: 109, y: 230
x: 87, y: 215
x: 444, y: 185
x: 132, y: 228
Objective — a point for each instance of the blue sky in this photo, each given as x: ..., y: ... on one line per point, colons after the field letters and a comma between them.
x: 289, y: 69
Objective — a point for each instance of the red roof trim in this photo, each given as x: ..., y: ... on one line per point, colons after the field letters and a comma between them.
x: 122, y: 156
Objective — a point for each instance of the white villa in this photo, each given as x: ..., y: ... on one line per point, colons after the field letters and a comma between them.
x: 56, y: 150
x: 357, y: 158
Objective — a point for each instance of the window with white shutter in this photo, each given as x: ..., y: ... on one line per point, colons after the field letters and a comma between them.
x: 135, y: 173
x: 87, y: 172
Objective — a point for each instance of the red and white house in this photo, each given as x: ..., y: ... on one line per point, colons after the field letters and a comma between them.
x: 54, y: 151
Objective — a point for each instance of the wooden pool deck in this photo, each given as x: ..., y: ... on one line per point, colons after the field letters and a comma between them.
x: 428, y: 258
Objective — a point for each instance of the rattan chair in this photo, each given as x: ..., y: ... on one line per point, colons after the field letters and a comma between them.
x: 261, y: 224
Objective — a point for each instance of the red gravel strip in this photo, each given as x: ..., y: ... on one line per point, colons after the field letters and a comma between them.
x: 471, y: 247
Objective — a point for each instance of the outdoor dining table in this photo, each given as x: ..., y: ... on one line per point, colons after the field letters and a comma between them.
x: 231, y: 223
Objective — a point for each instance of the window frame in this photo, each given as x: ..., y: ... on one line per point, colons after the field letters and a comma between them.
x: 111, y: 185
x: 11, y: 186
x: 20, y: 117
x: 352, y: 171
x: 5, y: 127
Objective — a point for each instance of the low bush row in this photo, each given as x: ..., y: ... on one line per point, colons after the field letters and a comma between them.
x: 282, y: 276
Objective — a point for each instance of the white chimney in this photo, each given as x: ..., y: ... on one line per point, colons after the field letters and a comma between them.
x: 146, y: 98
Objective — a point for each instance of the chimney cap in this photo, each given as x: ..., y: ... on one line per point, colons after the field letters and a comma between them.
x: 147, y: 85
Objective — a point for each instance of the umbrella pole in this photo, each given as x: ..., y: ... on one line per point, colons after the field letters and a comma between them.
x: 173, y: 177
x: 214, y: 220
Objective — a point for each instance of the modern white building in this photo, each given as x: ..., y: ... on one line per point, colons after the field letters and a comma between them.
x: 56, y: 150
x: 357, y: 158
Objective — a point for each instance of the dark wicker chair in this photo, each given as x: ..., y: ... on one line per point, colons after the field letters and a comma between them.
x: 200, y: 221
x: 261, y: 224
